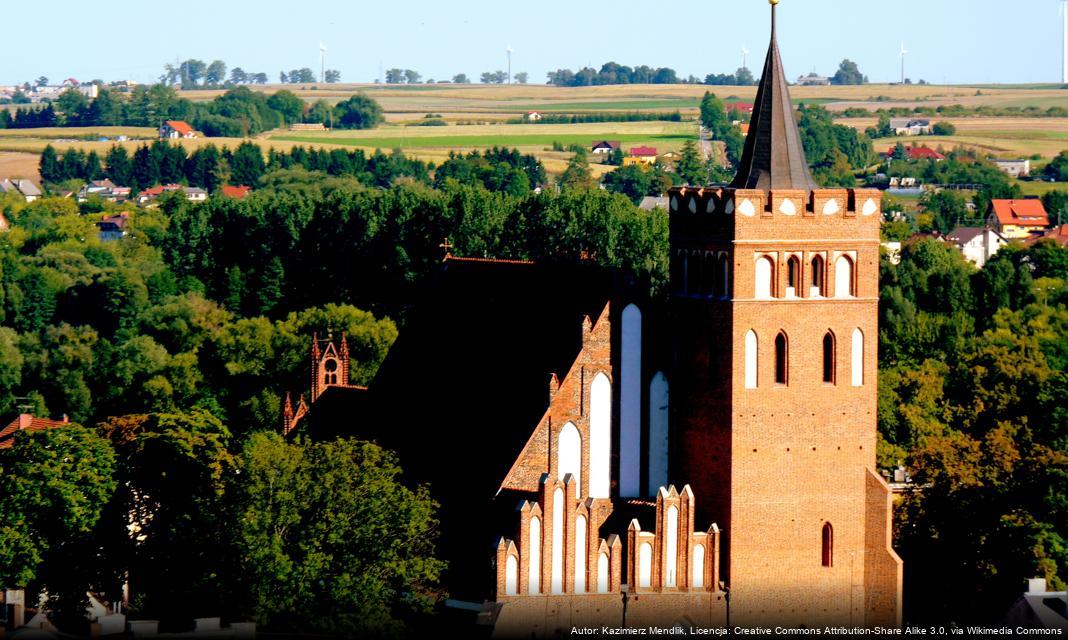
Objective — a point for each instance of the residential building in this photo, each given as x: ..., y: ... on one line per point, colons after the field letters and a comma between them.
x: 978, y: 244
x: 918, y: 153
x: 105, y: 190
x: 533, y: 116
x: 1039, y: 608
x: 746, y: 108
x: 195, y: 194
x: 813, y: 80
x: 237, y: 192
x: 175, y: 129
x: 27, y: 422
x: 640, y: 155
x: 1015, y: 168
x: 649, y: 203
x: 604, y: 147
x: 113, y: 228
x: 25, y: 188
x: 1058, y: 234
x: 1018, y: 218
x: 910, y: 126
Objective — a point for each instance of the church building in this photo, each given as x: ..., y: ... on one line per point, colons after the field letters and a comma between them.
x: 708, y: 460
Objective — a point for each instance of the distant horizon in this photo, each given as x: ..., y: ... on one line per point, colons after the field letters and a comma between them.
x: 948, y: 43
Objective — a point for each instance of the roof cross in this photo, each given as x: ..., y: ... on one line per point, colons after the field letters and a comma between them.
x: 447, y: 247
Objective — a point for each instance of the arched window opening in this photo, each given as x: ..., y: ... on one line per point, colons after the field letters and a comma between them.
x: 828, y: 358
x: 672, y: 547
x: 694, y: 275
x: 858, y: 358
x: 602, y: 573
x: 511, y: 576
x: 750, y: 360
x: 534, y: 563
x: 793, y: 276
x: 764, y: 278
x: 816, y: 289
x: 843, y: 277
x: 580, y: 554
x: 678, y: 273
x: 569, y: 456
x: 828, y: 545
x: 645, y: 565
x: 697, y: 580
x: 599, y: 481
x: 782, y: 359
x: 724, y: 277
x: 708, y: 287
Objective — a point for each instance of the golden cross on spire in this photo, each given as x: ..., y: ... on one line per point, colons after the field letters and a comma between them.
x: 447, y: 247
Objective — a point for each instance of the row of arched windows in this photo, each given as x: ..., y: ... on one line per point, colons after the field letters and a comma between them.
x: 701, y: 273
x: 782, y: 359
x: 765, y: 282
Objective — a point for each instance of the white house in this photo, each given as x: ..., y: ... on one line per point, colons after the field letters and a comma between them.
x: 978, y: 244
x: 1015, y: 168
x: 910, y: 126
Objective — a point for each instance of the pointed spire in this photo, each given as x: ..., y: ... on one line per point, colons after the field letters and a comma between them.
x: 773, y: 157
x: 315, y: 346
x: 344, y: 346
x: 288, y: 410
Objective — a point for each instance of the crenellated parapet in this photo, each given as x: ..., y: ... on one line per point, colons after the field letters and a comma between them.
x: 714, y: 213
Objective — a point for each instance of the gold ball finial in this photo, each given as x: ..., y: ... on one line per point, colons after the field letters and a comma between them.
x: 773, y: 2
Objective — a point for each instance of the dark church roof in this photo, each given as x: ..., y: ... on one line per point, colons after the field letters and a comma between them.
x: 463, y: 386
x: 773, y: 157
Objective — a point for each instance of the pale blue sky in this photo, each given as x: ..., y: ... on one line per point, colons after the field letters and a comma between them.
x: 954, y: 41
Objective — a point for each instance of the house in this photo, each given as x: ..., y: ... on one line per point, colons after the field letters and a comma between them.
x: 533, y: 116
x: 744, y: 128
x: 813, y: 80
x: 105, y: 190
x: 1058, y: 234
x: 649, y: 203
x: 113, y: 227
x: 640, y: 155
x: 25, y: 188
x: 978, y: 244
x: 27, y: 422
x: 1015, y: 168
x: 743, y: 107
x: 152, y: 193
x: 1018, y: 218
x: 918, y: 153
x: 910, y: 126
x: 195, y: 194
x: 604, y: 147
x: 174, y: 129
x: 1039, y: 608
x: 237, y: 192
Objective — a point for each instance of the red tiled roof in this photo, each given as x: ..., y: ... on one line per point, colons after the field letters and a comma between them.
x: 744, y: 107
x: 235, y: 192
x: 452, y: 258
x: 643, y: 151
x: 1057, y: 234
x: 1022, y: 213
x: 611, y: 144
x: 919, y: 153
x: 180, y: 126
x: 27, y: 422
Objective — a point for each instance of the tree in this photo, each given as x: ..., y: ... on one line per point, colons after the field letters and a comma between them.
x: 49, y: 166
x: 247, y: 165
x: 943, y: 128
x: 288, y: 104
x: 577, y: 174
x: 411, y: 77
x: 744, y: 77
x: 360, y: 567
x: 493, y: 77
x: 333, y: 76
x: 460, y: 78
x: 1057, y: 169
x: 358, y: 112
x: 238, y: 76
x: 634, y: 181
x: 192, y: 71
x: 71, y: 103
x: 41, y: 81
x: 522, y: 77
x: 394, y: 76
x: 215, y: 74
x: 848, y: 73
x: 57, y: 483
x: 689, y: 168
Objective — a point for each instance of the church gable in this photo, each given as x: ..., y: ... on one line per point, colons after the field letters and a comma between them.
x: 574, y: 435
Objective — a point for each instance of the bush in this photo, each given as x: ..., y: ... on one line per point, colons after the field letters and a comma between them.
x: 943, y: 129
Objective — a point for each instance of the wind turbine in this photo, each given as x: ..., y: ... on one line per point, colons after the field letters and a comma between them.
x: 509, y: 52
x: 322, y: 62
x: 1064, y: 61
x: 904, y: 52
x: 745, y: 52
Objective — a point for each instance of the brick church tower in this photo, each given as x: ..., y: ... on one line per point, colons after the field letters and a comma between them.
x: 775, y: 312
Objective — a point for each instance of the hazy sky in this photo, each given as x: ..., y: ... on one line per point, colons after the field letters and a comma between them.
x: 955, y: 41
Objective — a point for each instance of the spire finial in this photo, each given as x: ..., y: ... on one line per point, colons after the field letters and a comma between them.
x: 774, y: 4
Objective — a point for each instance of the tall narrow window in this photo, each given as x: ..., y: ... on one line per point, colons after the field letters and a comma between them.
x: 828, y: 358
x: 782, y: 359
x: 750, y: 360
x: 817, y: 277
x: 534, y: 555
x: 764, y: 277
x: 843, y: 278
x: 793, y: 276
x: 828, y: 545
x: 709, y: 288
x: 693, y: 275
x: 724, y: 276
x: 858, y: 358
